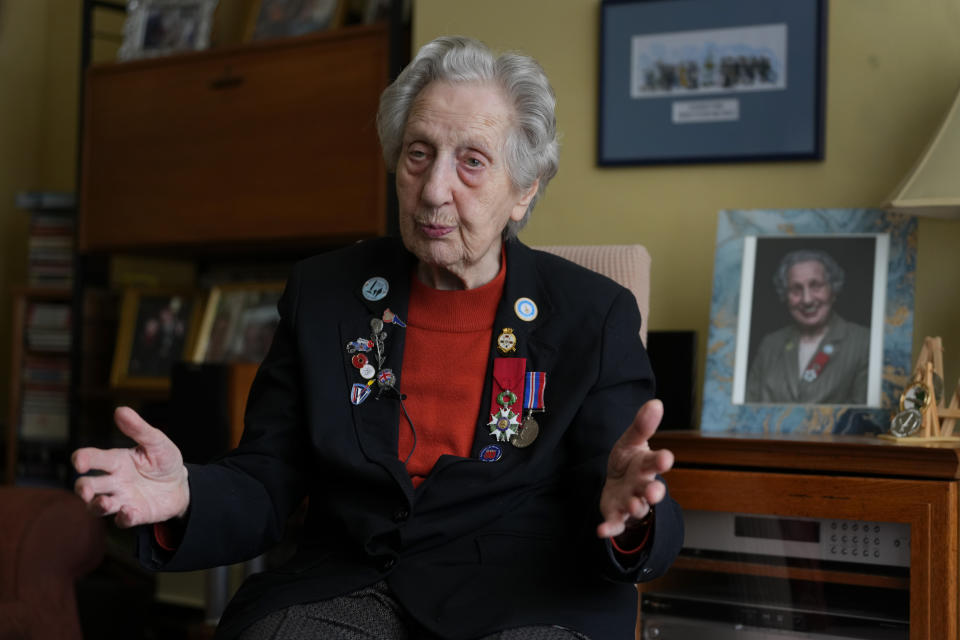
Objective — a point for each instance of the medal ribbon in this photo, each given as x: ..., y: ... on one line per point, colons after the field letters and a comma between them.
x: 507, y: 376
x: 536, y: 382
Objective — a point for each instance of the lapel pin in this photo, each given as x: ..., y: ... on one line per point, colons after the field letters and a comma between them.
x: 391, y: 318
x: 375, y: 288
x: 526, y: 309
x: 506, y: 341
x: 490, y: 453
x: 359, y: 393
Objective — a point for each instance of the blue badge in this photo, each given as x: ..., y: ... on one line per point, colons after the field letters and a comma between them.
x: 375, y: 288
x: 526, y: 309
x: 359, y: 393
x: 490, y: 453
x: 828, y: 349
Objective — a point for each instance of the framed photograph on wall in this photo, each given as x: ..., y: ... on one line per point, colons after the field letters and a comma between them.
x: 285, y: 18
x: 161, y: 27
x: 238, y: 323
x: 157, y: 328
x: 711, y: 81
x: 811, y: 321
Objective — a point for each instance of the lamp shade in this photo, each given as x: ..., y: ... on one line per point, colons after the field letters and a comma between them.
x: 932, y: 188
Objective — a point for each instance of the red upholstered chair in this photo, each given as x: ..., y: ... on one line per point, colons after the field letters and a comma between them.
x: 626, y: 264
x: 48, y: 540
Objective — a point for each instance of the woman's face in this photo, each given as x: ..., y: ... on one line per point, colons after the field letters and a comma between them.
x: 453, y: 185
x: 809, y: 295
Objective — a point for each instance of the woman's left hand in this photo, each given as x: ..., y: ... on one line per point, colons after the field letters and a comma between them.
x: 631, y: 487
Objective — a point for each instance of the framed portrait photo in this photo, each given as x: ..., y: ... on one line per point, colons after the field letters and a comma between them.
x: 811, y: 321
x: 157, y: 329
x: 162, y: 27
x: 285, y: 18
x: 238, y: 322
x: 710, y: 81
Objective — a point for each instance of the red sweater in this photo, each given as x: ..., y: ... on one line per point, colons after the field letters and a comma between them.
x: 445, y: 355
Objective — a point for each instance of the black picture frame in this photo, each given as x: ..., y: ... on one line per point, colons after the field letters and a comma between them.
x: 699, y: 81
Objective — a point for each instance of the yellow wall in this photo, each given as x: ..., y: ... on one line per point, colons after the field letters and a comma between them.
x: 893, y: 68
x: 38, y: 111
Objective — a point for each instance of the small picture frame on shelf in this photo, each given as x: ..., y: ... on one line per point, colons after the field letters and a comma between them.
x: 157, y: 328
x: 161, y: 27
x: 238, y: 322
x: 287, y: 18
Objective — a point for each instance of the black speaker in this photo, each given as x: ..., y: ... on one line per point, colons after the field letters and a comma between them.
x: 673, y: 358
x: 198, y: 419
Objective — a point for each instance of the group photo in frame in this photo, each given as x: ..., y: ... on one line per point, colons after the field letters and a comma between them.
x: 238, y: 322
x: 811, y: 320
x: 162, y: 27
x: 157, y: 328
x: 711, y: 81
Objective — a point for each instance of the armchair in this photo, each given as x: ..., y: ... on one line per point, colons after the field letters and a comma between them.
x: 48, y: 539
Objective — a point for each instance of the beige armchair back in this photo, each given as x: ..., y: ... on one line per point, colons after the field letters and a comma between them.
x: 627, y: 264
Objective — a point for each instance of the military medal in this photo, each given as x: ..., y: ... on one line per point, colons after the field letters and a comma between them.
x: 817, y: 363
x: 503, y: 424
x: 534, y: 384
x: 906, y: 423
x: 505, y: 405
x: 506, y: 341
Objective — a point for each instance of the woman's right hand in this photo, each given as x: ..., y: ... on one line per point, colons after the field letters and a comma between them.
x: 141, y: 485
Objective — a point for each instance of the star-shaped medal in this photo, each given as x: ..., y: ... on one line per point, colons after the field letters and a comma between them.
x: 503, y: 424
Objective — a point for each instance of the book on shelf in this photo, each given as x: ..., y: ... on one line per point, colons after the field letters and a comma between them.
x: 47, y: 326
x: 46, y: 200
x: 51, y: 237
x: 45, y: 413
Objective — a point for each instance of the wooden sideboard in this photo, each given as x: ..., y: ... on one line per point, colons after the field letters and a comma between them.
x: 829, y: 477
x: 264, y: 142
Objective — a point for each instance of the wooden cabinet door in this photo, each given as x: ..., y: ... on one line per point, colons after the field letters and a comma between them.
x: 267, y: 142
x: 928, y: 506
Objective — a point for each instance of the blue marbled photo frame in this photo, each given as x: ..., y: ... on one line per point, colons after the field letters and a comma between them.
x: 883, y: 295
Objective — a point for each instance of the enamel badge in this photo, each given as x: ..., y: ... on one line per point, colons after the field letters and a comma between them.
x: 359, y: 393
x: 506, y: 341
x: 375, y: 288
x: 526, y: 309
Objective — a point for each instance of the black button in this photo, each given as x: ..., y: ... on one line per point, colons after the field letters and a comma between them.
x: 387, y: 564
x: 400, y: 515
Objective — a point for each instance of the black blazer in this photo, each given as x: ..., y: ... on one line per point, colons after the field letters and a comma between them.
x: 479, y: 546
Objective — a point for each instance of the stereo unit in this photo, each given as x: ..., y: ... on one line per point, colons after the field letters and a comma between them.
x: 793, y: 538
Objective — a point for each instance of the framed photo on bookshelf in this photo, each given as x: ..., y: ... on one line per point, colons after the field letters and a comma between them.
x: 157, y: 328
x: 285, y: 18
x: 161, y: 27
x: 238, y: 322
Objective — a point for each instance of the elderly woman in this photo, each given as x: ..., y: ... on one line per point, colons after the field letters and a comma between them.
x: 819, y: 358
x: 460, y: 410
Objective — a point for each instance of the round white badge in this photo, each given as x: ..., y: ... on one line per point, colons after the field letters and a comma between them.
x: 375, y: 288
x: 526, y: 309
x: 367, y: 371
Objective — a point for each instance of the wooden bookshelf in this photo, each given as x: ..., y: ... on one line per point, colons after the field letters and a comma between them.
x: 23, y: 298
